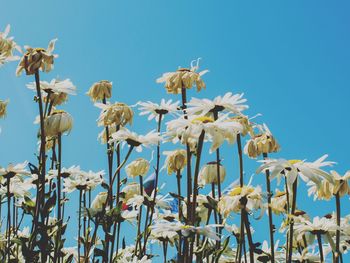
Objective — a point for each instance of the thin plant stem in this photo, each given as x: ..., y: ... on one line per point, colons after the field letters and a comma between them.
x: 178, y: 179
x: 148, y: 224
x: 139, y: 218
x: 337, y: 243
x: 79, y: 223
x: 195, y: 185
x: 291, y: 225
x: 249, y: 236
x: 269, y: 195
x: 8, y: 232
x: 319, y: 240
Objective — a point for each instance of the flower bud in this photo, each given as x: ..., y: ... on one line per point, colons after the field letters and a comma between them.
x: 139, y: 167
x: 57, y: 123
x: 209, y: 173
x: 100, y: 90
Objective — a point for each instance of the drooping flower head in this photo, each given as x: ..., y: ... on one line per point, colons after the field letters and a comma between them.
x: 209, y: 173
x: 58, y: 122
x: 183, y: 78
x: 175, y: 161
x: 37, y: 58
x: 114, y: 114
x: 263, y: 142
x: 100, y: 90
x: 7, y: 47
x: 138, y: 167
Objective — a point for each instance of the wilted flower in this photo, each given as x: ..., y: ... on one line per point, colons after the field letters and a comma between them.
x: 3, y: 106
x: 209, y: 173
x: 57, y: 123
x: 229, y: 102
x: 261, y: 143
x: 183, y: 78
x: 116, y: 114
x: 154, y: 110
x: 340, y: 183
x: 201, y: 209
x: 135, y: 140
x: 100, y: 90
x: 175, y: 161
x: 139, y: 167
x: 244, y: 121
x: 7, y: 46
x: 37, y: 58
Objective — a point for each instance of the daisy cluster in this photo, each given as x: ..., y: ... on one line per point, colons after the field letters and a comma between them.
x: 207, y: 214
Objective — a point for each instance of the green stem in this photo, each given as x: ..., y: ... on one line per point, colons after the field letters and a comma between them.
x: 291, y: 225
x: 337, y: 251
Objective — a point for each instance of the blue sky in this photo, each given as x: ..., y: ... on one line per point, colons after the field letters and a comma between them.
x: 290, y: 58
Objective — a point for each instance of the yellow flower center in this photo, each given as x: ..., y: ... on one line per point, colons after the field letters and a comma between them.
x: 203, y: 119
x: 294, y: 161
x: 238, y: 190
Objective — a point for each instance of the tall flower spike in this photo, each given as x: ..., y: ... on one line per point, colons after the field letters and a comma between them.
x: 183, y: 78
x: 100, y: 90
x: 37, y: 58
x: 7, y: 47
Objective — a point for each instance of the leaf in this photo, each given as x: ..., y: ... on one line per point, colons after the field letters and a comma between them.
x: 50, y: 203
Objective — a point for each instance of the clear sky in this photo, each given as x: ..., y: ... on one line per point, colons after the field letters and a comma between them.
x: 290, y: 58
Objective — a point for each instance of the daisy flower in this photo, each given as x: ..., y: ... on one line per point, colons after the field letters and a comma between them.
x: 229, y: 102
x: 216, y: 131
x: 154, y: 110
x: 126, y: 136
x: 82, y: 180
x: 292, y: 168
